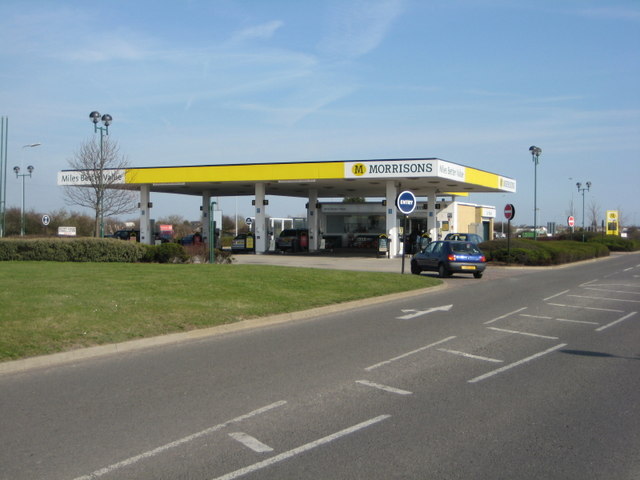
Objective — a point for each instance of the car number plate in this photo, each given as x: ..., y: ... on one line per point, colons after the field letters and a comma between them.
x: 468, y: 267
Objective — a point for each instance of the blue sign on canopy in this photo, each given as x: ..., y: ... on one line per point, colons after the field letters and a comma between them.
x: 406, y: 202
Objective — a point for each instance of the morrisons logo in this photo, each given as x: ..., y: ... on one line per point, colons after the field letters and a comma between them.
x: 359, y: 169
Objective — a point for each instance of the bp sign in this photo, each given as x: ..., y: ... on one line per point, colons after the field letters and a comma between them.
x: 406, y: 202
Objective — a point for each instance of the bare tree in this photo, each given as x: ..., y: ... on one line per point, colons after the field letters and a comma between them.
x: 101, y: 188
x: 594, y: 214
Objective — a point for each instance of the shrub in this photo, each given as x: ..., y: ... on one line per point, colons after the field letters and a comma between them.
x: 539, y: 253
x: 167, y: 253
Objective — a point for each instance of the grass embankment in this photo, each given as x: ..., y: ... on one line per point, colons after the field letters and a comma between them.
x: 49, y: 307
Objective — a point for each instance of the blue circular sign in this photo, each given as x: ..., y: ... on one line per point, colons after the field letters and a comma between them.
x: 406, y: 202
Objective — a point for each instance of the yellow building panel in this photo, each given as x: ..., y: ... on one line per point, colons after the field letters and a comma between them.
x: 485, y: 179
x: 236, y: 173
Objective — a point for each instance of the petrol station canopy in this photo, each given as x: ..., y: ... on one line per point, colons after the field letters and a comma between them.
x: 330, y: 179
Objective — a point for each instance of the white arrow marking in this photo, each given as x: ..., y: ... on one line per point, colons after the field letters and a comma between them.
x: 417, y: 313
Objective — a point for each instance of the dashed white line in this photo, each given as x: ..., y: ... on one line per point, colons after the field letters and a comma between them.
x: 168, y: 446
x: 302, y: 449
x: 586, y: 322
x: 522, y: 333
x: 606, y: 298
x: 617, y: 321
x: 469, y: 355
x: 399, y: 357
x: 543, y: 317
x: 385, y: 388
x: 505, y: 315
x: 251, y: 442
x: 515, y: 364
x: 587, y: 308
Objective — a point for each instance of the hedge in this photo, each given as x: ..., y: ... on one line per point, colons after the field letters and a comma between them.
x: 541, y: 253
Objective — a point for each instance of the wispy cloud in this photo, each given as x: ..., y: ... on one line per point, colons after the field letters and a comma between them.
x: 620, y: 13
x: 360, y: 26
x: 263, y: 31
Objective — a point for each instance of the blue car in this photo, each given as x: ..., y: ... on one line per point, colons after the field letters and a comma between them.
x: 447, y: 257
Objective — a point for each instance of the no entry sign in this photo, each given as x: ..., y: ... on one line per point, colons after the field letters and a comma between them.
x: 571, y: 221
x: 509, y: 211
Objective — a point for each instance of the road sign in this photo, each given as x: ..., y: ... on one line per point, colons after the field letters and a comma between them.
x: 406, y: 202
x: 571, y: 221
x: 248, y: 221
x: 46, y: 220
x: 509, y: 211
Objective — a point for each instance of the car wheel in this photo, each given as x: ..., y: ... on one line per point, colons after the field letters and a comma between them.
x: 442, y: 271
x: 415, y: 268
x: 477, y: 275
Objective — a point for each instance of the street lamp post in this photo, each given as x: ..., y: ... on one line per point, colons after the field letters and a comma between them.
x: 582, y: 189
x: 106, y: 121
x: 535, y: 156
x: 30, y: 169
x: 16, y: 169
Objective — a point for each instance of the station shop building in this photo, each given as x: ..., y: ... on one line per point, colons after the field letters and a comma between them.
x: 442, y: 189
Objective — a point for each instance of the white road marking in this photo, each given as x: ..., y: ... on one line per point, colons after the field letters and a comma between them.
x: 168, y: 446
x: 617, y: 321
x: 522, y: 333
x: 251, y: 442
x: 469, y: 355
x: 587, y: 308
x: 542, y: 317
x: 385, y: 388
x: 606, y: 298
x: 575, y: 321
x: 399, y: 357
x: 417, y: 313
x: 515, y: 364
x: 302, y: 449
x: 612, y: 291
x: 505, y: 316
x: 556, y: 295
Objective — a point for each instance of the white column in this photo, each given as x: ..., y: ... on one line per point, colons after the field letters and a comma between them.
x: 312, y: 221
x: 392, y: 219
x: 260, y: 230
x: 432, y: 223
x: 146, y: 235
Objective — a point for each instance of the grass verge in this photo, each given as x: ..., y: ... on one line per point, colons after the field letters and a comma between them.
x: 49, y: 307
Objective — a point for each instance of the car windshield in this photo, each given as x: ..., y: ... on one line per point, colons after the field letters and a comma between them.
x: 464, y: 247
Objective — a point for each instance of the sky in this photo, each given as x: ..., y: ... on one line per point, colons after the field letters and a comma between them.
x: 195, y: 82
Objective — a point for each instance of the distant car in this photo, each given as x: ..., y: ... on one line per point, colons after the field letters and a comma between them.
x: 365, y: 241
x: 447, y: 257
x: 465, y: 237
x: 244, y: 242
x: 293, y: 240
x: 127, y: 235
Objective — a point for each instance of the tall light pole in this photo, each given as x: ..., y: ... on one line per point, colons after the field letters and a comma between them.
x: 535, y: 156
x: 106, y: 121
x: 582, y: 189
x: 30, y: 169
x: 16, y: 169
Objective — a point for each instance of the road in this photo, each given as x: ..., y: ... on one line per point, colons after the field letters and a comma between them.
x: 530, y: 375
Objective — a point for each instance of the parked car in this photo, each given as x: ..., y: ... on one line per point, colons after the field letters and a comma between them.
x: 293, y: 240
x: 127, y: 235
x: 244, y: 242
x: 447, y: 257
x: 465, y: 237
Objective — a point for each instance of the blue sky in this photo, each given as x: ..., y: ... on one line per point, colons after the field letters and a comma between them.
x: 214, y: 82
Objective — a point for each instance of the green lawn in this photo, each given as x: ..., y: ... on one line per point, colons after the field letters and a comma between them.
x: 48, y: 307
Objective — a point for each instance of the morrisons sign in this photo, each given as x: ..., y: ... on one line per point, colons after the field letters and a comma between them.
x: 404, y: 168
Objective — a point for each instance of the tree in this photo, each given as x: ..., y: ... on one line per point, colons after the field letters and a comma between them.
x: 101, y: 192
x: 594, y: 213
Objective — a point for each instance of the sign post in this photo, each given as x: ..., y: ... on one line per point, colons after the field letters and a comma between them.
x: 509, y: 213
x: 406, y: 203
x: 571, y: 222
